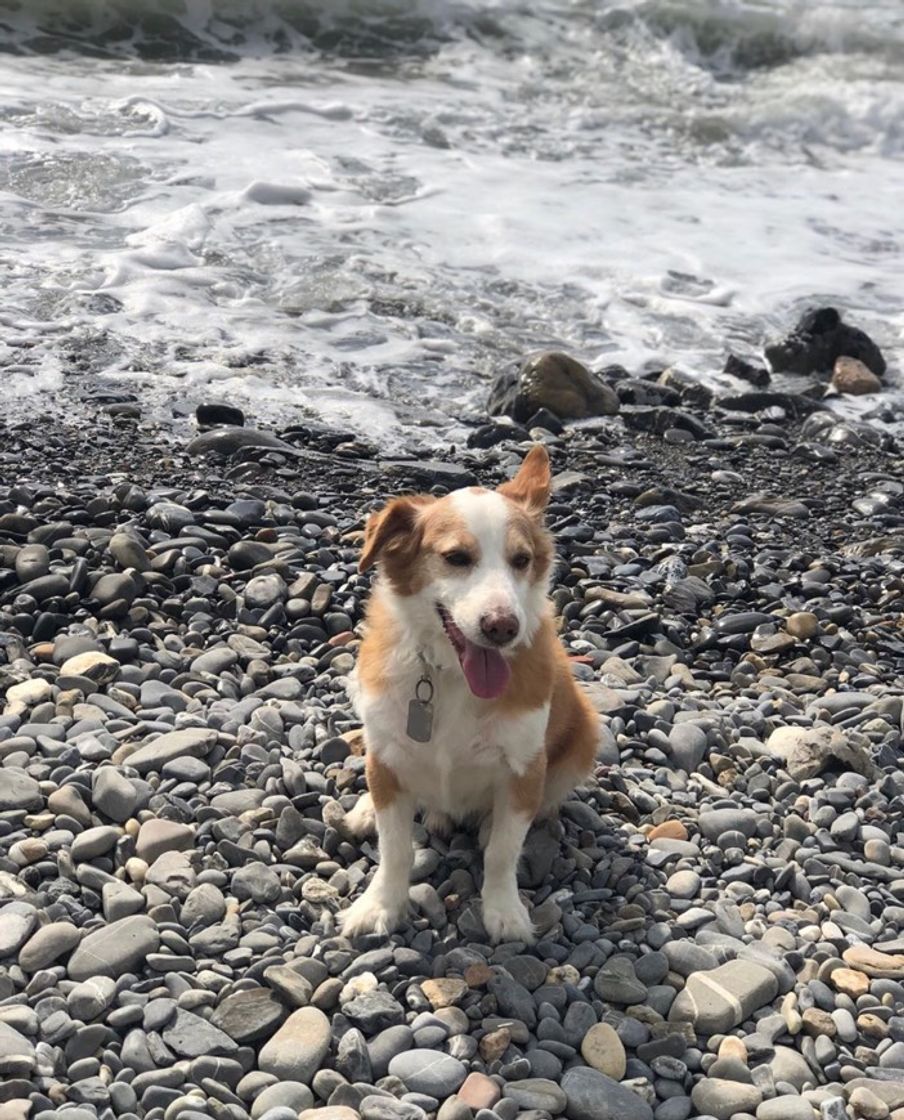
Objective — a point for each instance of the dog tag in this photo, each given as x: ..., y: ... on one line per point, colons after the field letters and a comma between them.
x: 420, y: 712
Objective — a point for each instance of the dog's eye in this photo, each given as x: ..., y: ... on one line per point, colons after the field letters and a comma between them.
x: 520, y: 561
x: 458, y: 558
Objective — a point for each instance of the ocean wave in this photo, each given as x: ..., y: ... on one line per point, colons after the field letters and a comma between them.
x: 727, y: 36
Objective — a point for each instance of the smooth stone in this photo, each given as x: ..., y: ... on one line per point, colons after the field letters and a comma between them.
x: 17, y: 921
x: 427, y: 1071
x: 536, y: 1093
x: 194, y: 741
x: 158, y: 836
x: 715, y: 1002
x: 115, y: 949
x: 18, y: 790
x: 785, y: 1107
x: 113, y: 794
x: 47, y: 946
x: 94, y: 842
x: 296, y: 1051
x: 190, y: 1036
x: 286, y: 1094
x: 603, y: 1050
x: 247, y: 1016
x: 722, y: 1099
x: 593, y: 1096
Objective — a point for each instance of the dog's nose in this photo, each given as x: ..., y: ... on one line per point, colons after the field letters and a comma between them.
x: 499, y: 628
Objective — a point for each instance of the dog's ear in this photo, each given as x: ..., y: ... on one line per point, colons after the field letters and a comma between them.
x: 393, y: 530
x: 530, y: 486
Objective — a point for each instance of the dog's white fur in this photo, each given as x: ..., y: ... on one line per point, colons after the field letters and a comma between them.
x: 477, y: 747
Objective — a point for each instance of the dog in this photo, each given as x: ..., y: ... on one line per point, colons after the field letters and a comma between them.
x: 465, y: 693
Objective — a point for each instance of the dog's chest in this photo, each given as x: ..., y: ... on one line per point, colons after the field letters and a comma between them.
x: 470, y: 748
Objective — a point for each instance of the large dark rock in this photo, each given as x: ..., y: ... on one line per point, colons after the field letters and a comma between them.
x: 488, y: 435
x: 757, y: 376
x: 659, y: 420
x: 690, y: 389
x: 217, y: 414
x: 553, y: 381
x: 430, y: 472
x: 818, y: 341
x: 794, y: 404
x: 634, y: 390
x: 226, y: 441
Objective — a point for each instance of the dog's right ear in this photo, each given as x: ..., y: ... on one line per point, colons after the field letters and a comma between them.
x: 531, y: 485
x: 392, y: 530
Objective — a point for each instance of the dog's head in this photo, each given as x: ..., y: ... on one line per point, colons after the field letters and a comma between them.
x: 473, y: 566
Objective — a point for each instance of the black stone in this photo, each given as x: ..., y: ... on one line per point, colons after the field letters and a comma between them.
x: 818, y: 340
x: 215, y: 415
x: 757, y: 376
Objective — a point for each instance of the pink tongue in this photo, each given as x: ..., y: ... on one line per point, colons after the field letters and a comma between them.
x: 486, y: 671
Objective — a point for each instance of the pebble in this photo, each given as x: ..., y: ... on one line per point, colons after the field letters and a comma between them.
x: 114, y: 949
x: 591, y: 1095
x: 603, y: 1050
x: 296, y: 1050
x: 426, y: 1071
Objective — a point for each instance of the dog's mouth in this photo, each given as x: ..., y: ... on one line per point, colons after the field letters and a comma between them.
x: 486, y: 670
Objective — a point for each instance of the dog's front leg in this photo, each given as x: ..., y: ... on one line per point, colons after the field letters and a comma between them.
x: 515, y: 803
x: 384, y: 904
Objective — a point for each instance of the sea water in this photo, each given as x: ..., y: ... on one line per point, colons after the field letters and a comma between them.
x: 364, y: 211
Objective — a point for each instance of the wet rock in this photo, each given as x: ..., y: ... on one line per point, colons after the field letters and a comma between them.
x: 553, y: 381
x: 218, y: 414
x: 854, y: 378
x: 226, y: 441
x: 690, y: 389
x: 661, y: 420
x: 818, y: 341
x: 756, y: 376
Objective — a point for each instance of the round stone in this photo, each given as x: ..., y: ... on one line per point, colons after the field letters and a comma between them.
x: 603, y: 1050
x: 297, y: 1050
x: 427, y: 1071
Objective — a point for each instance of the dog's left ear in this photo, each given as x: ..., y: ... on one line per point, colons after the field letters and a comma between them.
x: 392, y: 530
x: 530, y: 486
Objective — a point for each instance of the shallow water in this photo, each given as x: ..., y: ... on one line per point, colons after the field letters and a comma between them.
x: 366, y: 210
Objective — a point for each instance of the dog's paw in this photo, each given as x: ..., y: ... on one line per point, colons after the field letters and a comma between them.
x: 507, y: 920
x: 361, y: 822
x: 373, y: 912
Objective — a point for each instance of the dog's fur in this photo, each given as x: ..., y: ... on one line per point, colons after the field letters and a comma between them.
x: 505, y: 759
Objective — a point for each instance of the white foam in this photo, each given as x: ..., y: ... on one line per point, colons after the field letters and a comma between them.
x: 374, y: 243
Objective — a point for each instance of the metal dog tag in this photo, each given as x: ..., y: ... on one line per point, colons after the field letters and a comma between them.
x: 420, y: 712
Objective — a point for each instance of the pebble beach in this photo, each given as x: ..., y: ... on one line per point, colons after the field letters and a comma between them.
x: 720, y: 911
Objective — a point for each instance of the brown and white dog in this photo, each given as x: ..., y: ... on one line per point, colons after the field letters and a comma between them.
x: 465, y: 692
